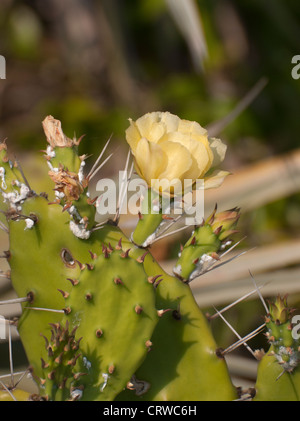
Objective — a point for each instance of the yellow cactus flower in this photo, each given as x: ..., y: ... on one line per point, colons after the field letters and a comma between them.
x: 166, y: 147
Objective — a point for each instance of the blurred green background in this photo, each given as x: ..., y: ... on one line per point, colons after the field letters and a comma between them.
x: 95, y: 63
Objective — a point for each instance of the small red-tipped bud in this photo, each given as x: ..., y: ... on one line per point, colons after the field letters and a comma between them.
x: 74, y: 282
x: 89, y: 266
x: 148, y: 345
x: 67, y: 310
x: 111, y: 369
x: 141, y: 259
x: 119, y: 245
x: 160, y: 313
x: 99, y: 333
x: 44, y: 364
x: 81, y: 265
x: 152, y: 279
x: 59, y: 359
x: 65, y: 294
x: 125, y: 254
x: 118, y: 281
x: 138, y: 309
x: 51, y: 375
x: 105, y: 251
x: 93, y: 255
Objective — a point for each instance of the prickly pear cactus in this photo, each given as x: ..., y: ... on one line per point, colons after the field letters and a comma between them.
x: 101, y: 320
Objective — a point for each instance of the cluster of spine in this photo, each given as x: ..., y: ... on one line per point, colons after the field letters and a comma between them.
x: 61, y: 379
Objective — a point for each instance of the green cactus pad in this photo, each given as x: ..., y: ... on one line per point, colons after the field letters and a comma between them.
x: 42, y: 258
x: 183, y: 364
x: 113, y: 307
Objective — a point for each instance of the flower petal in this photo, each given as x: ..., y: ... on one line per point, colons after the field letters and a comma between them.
x: 218, y: 149
x: 179, y: 160
x: 150, y: 160
x: 133, y: 136
x: 215, y: 179
x: 200, y: 151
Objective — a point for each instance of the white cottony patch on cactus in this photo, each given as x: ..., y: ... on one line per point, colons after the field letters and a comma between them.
x: 202, y: 266
x: 80, y: 172
x: 50, y: 152
x: 59, y: 195
x: 104, y: 384
x: 2, y: 176
x: 86, y: 363
x: 29, y: 224
x: 79, y: 230
x: 16, y: 198
x: 153, y: 236
x: 177, y: 270
x: 225, y: 245
x: 76, y: 394
x: 288, y: 358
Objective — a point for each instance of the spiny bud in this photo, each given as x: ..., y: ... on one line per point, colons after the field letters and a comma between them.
x: 279, y: 311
